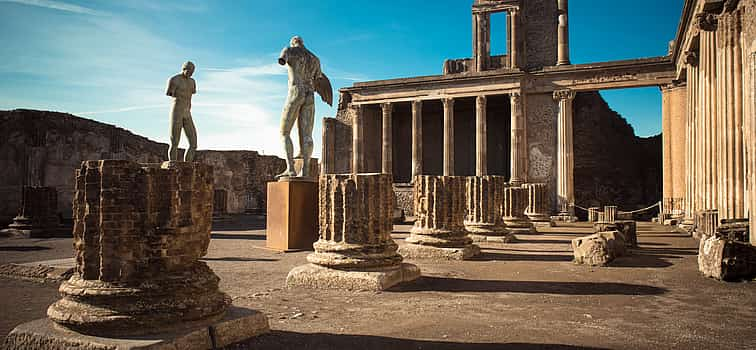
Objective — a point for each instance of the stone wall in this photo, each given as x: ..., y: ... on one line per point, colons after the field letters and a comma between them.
x: 42, y: 148
x: 541, y: 113
x: 540, y: 22
x: 612, y: 165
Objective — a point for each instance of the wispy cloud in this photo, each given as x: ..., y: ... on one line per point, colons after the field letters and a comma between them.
x: 120, y: 110
x: 60, y: 6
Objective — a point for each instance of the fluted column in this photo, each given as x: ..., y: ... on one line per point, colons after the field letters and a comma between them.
x: 731, y: 187
x: 439, y: 231
x: 565, y: 161
x: 750, y: 132
x: 485, y: 195
x: 448, y: 136
x: 417, y: 138
x: 513, y: 209
x: 514, y: 50
x: 355, y: 249
x: 538, y: 204
x: 708, y: 23
x: 563, y: 35
x: 691, y: 205
x: 357, y: 139
x: 481, y: 41
x: 481, y: 137
x: 518, y: 149
x: 387, y: 154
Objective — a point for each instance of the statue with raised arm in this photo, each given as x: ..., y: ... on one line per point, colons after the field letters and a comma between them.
x: 305, y: 78
x: 181, y: 87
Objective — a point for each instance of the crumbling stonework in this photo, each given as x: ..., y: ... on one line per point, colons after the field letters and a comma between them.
x: 538, y: 208
x: 355, y: 250
x: 726, y: 260
x: 439, y: 231
x: 598, y: 249
x: 139, y: 231
x: 485, y: 196
x: 513, y: 210
x: 42, y: 148
x: 37, y: 215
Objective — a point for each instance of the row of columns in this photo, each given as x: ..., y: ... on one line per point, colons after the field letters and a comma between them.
x: 518, y: 138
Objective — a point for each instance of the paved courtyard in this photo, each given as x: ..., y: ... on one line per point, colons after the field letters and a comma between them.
x: 524, y: 295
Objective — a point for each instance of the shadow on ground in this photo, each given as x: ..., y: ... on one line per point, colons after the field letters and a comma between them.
x: 443, y: 284
x: 241, y: 223
x: 22, y: 248
x: 236, y: 258
x: 307, y: 341
x: 488, y: 256
x: 245, y: 236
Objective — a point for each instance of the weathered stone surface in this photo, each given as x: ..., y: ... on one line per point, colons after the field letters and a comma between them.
x: 726, y: 260
x: 439, y: 231
x: 485, y: 196
x: 706, y: 223
x: 37, y: 214
x: 139, y: 230
x: 513, y: 210
x: 539, y: 206
x: 598, y: 249
x: 355, y: 249
x: 237, y: 325
x: 593, y: 214
x: 734, y: 230
x: 629, y: 231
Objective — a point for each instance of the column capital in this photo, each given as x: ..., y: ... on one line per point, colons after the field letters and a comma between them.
x: 481, y: 100
x: 416, y: 104
x: 514, y: 11
x: 706, y: 22
x: 691, y: 58
x: 386, y: 106
x: 560, y: 95
x: 448, y: 102
x: 515, y: 97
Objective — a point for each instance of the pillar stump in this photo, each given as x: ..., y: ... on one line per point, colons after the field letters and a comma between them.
x: 538, y: 205
x: 485, y: 195
x: 593, y: 214
x: 513, y: 210
x: 37, y: 215
x: 355, y: 250
x: 439, y: 231
x: 139, y: 231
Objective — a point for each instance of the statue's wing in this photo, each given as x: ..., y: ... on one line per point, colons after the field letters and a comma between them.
x: 324, y: 89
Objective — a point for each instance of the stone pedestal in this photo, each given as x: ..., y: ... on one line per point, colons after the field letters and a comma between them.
x: 726, y: 260
x: 439, y: 231
x: 485, y: 195
x: 513, y: 210
x: 538, y: 204
x: 593, y: 214
x: 610, y: 213
x: 292, y: 220
x: 37, y: 215
x: 355, y: 250
x: 139, y: 231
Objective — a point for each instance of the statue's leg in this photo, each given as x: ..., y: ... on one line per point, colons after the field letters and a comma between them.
x: 175, y: 133
x: 288, y: 117
x: 191, y: 136
x: 305, y: 124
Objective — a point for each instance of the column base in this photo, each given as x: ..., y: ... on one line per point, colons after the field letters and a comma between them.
x: 564, y: 218
x: 540, y: 220
x: 417, y: 251
x: 238, y: 324
x: 519, y: 225
x: 506, y: 238
x: 319, y: 277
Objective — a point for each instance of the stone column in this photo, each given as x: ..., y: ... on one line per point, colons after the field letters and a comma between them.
x: 565, y: 160
x: 518, y: 148
x: 593, y: 214
x: 417, y: 138
x: 485, y: 195
x: 691, y: 61
x: 513, y: 210
x: 448, y: 136
x: 481, y: 41
x: 357, y: 140
x: 481, y: 137
x: 514, y: 49
x: 439, y: 231
x: 355, y: 250
x: 673, y: 124
x: 708, y: 23
x: 666, y: 158
x: 610, y: 213
x: 750, y: 132
x: 139, y: 232
x: 563, y: 39
x: 387, y: 156
x: 731, y: 187
x: 37, y: 215
x: 538, y: 204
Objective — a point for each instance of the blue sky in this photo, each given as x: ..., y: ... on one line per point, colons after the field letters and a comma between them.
x: 109, y: 60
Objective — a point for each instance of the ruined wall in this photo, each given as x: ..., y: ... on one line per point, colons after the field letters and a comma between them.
x: 541, y: 112
x: 41, y: 148
x: 540, y: 19
x: 612, y: 165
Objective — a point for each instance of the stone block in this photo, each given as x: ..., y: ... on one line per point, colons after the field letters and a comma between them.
x: 292, y: 220
x: 355, y: 249
x: 598, y: 249
x: 629, y: 231
x: 726, y: 260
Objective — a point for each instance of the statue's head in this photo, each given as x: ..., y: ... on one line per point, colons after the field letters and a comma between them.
x: 187, y: 69
x: 296, y: 41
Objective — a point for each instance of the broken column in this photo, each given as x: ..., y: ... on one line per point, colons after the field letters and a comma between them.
x: 439, y: 231
x: 485, y: 196
x: 37, y: 214
x: 593, y: 214
x: 610, y: 213
x: 538, y: 204
x: 355, y: 250
x: 139, y: 232
x: 513, y: 210
x: 598, y: 249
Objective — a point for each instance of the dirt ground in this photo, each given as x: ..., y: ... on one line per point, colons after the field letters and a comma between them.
x: 524, y: 295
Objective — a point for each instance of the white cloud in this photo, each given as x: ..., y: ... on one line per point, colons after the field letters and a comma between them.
x: 60, y: 6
